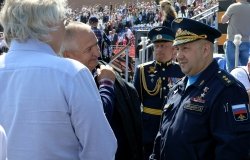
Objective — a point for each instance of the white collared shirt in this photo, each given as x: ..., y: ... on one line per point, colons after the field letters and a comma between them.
x: 50, y: 107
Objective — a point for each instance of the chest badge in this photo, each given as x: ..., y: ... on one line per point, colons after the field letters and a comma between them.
x: 198, y: 99
x: 151, y: 70
x: 197, y: 103
x: 151, y: 77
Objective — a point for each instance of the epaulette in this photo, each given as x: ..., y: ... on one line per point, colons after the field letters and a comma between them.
x: 225, y: 77
x: 146, y: 63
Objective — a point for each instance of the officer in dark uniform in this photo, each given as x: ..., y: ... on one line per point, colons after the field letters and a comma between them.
x: 152, y: 80
x: 206, y: 116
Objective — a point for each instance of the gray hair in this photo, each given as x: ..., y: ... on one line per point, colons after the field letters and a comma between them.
x: 72, y: 31
x: 25, y: 19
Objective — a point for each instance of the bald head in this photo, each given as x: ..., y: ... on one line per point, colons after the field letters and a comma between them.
x: 81, y: 44
x: 76, y: 31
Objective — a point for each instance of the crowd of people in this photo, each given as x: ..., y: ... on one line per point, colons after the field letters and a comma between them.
x: 60, y: 100
x: 135, y: 16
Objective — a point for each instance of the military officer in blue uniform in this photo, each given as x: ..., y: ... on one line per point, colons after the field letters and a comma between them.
x: 206, y: 116
x: 153, y: 80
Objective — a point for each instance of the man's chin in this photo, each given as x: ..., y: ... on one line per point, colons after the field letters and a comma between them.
x: 92, y: 66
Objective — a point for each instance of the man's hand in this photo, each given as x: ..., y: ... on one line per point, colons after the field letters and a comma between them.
x: 105, y: 72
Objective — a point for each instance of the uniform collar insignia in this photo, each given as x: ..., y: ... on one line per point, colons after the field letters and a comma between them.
x: 164, y: 64
x: 158, y: 63
x: 168, y: 63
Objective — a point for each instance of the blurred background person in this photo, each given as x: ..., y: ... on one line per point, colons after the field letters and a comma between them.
x: 183, y: 9
x: 242, y: 74
x: 50, y: 107
x: 168, y: 13
x: 238, y: 19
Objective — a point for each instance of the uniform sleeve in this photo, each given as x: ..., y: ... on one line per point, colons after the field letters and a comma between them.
x: 230, y: 124
x: 106, y: 90
x: 136, y: 81
x: 91, y: 127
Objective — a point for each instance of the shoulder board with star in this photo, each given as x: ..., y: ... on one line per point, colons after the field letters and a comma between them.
x: 225, y: 77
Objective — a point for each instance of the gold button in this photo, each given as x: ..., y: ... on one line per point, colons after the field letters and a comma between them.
x: 163, y: 69
x: 163, y: 78
x: 164, y: 88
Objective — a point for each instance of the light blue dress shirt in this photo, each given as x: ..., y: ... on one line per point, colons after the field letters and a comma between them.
x: 50, y: 107
x: 3, y: 144
x: 192, y: 80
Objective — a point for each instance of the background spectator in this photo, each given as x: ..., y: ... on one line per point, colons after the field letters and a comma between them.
x: 238, y: 19
x: 242, y: 73
x: 168, y: 12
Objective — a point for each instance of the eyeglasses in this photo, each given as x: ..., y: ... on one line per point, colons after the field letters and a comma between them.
x: 89, y: 49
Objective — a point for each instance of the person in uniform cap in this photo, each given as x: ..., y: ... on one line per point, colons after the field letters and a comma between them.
x: 206, y: 115
x: 153, y: 80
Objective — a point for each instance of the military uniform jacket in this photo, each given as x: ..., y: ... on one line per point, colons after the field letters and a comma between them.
x: 206, y: 121
x: 152, y: 81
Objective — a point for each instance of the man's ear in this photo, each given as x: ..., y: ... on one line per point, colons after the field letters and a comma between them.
x: 207, y: 48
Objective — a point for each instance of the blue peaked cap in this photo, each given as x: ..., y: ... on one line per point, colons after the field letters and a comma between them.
x: 188, y: 30
x: 161, y: 34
